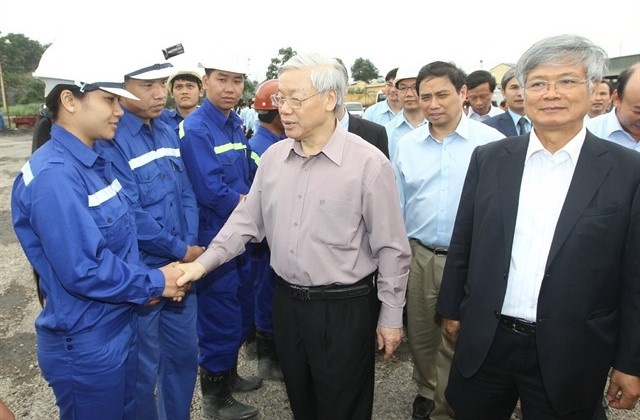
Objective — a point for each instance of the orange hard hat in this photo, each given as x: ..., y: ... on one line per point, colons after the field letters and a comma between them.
x: 262, y: 100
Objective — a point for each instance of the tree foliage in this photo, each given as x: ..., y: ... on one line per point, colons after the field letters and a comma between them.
x: 19, y: 57
x: 283, y: 55
x: 363, y: 69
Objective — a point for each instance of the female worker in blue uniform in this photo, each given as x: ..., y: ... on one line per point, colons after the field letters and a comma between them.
x: 76, y: 229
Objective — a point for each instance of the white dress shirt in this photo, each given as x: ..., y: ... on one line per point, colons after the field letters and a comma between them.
x: 545, y: 182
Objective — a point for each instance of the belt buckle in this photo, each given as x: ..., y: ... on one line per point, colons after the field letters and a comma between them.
x: 301, y: 293
x: 440, y: 252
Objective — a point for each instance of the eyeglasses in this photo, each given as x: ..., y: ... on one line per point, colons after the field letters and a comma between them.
x: 294, y: 103
x: 561, y: 86
x: 405, y: 89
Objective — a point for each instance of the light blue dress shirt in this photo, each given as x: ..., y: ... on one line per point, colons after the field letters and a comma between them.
x: 379, y: 113
x: 430, y: 175
x: 608, y: 127
x: 396, y: 129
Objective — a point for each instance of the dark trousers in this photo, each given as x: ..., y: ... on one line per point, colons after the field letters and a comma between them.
x: 327, y: 352
x: 510, y: 371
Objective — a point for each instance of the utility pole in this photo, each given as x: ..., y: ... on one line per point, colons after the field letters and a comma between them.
x: 5, y: 104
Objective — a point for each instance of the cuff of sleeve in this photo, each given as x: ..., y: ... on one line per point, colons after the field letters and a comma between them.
x: 211, y: 259
x: 157, y: 283
x: 390, y: 317
x: 180, y: 250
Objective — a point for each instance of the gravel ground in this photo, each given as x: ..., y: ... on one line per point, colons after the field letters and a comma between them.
x: 27, y: 394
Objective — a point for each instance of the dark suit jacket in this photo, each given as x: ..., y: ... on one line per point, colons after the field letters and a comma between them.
x: 503, y: 123
x: 372, y: 132
x: 589, y: 303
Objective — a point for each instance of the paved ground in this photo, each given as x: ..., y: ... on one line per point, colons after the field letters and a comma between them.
x: 24, y: 390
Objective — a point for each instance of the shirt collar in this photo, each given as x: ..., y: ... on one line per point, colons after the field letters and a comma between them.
x: 218, y: 117
x: 333, y: 149
x: 572, y: 148
x: 74, y: 145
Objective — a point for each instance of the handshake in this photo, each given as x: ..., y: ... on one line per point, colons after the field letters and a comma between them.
x: 179, y: 275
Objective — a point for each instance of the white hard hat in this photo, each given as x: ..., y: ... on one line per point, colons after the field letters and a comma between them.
x: 147, y: 63
x: 69, y: 63
x: 406, y: 72
x: 225, y: 62
x: 192, y: 72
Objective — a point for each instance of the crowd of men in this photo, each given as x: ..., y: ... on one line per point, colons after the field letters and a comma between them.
x: 509, y: 239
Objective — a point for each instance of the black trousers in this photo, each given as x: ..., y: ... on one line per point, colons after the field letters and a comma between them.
x: 510, y: 372
x: 326, y: 350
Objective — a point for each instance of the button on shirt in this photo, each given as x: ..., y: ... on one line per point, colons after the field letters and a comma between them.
x: 152, y: 172
x: 430, y: 175
x: 74, y: 223
x: 328, y: 218
x: 546, y: 179
x: 608, y: 127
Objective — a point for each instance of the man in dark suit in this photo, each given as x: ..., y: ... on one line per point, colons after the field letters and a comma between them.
x: 513, y: 122
x: 370, y: 131
x: 541, y: 288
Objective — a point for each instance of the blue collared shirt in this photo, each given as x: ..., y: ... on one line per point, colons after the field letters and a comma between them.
x: 219, y: 163
x: 379, y: 113
x: 75, y: 225
x: 171, y: 117
x: 152, y: 172
x: 396, y: 129
x: 607, y: 126
x: 261, y: 140
x: 516, y: 118
x: 430, y: 175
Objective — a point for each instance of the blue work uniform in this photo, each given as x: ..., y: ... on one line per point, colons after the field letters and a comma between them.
x: 75, y: 225
x: 218, y: 161
x: 148, y: 163
x: 171, y: 117
x: 261, y: 270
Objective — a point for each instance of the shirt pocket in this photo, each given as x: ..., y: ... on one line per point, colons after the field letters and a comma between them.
x: 333, y: 221
x: 150, y: 179
x: 114, y: 223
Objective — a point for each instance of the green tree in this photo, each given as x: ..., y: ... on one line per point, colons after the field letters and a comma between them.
x: 20, y: 56
x: 363, y: 69
x: 283, y: 55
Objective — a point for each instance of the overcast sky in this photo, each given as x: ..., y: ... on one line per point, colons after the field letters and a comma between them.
x: 398, y: 33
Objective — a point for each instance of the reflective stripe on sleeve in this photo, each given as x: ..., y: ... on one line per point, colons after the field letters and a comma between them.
x: 229, y: 147
x: 105, y: 194
x: 256, y: 158
x: 149, y: 157
x: 27, y: 175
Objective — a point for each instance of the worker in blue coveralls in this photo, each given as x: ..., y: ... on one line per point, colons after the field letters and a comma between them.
x: 221, y: 168
x: 269, y: 132
x: 76, y: 227
x: 146, y: 152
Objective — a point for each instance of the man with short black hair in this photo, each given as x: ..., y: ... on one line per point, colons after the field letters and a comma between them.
x: 480, y: 87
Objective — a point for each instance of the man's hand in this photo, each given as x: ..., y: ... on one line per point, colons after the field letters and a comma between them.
x: 193, y: 252
x: 623, y: 391
x: 191, y: 272
x: 388, y: 339
x: 451, y: 329
x: 171, y: 289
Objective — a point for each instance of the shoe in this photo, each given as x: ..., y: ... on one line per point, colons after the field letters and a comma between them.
x: 217, y: 401
x: 422, y: 408
x: 240, y: 384
x: 250, y: 346
x: 268, y: 365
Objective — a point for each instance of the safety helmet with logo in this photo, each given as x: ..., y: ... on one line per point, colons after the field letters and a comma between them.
x: 262, y: 100
x: 68, y: 62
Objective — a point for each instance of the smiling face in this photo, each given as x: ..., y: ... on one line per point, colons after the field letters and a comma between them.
x: 152, y: 94
x: 554, y: 111
x: 224, y: 89
x: 407, y: 94
x: 92, y: 116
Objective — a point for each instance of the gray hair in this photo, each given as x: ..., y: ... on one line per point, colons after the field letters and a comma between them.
x: 326, y: 74
x: 560, y: 50
x: 510, y: 74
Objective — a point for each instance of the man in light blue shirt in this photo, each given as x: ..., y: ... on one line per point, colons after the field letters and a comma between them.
x: 410, y: 116
x: 622, y: 124
x: 384, y: 111
x: 431, y: 165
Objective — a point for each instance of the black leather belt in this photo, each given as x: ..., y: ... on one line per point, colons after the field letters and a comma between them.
x: 361, y: 288
x: 438, y: 251
x: 518, y: 325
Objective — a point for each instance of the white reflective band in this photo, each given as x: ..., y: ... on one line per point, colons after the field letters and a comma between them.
x: 228, y: 147
x: 256, y: 158
x: 149, y: 157
x: 105, y: 194
x: 27, y: 175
